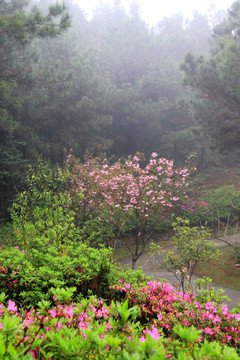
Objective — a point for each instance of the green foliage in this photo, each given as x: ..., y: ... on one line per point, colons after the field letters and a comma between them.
x: 43, y: 213
x: 205, y: 292
x: 95, y: 232
x: 126, y: 275
x: 195, y: 212
x: 30, y: 276
x: 223, y: 203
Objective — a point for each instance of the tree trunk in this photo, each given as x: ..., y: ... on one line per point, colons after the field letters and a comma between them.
x: 134, y: 260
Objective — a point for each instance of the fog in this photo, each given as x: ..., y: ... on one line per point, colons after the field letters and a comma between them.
x: 153, y: 10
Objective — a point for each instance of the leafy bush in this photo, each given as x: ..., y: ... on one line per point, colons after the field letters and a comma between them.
x: 196, y: 212
x: 44, y: 212
x: 27, y: 276
x: 91, y: 329
x: 220, y: 203
x: 96, y: 232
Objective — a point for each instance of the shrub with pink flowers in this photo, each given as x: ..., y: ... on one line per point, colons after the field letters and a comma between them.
x: 162, y: 307
x: 196, y: 212
x: 156, y: 324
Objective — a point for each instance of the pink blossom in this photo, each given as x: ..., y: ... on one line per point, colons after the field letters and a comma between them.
x: 237, y: 316
x: 68, y: 311
x: 59, y: 325
x: 153, y: 333
x: 225, y: 310
x: 208, y: 331
x: 53, y: 312
x: 135, y: 158
x: 216, y: 319
x: 12, y: 306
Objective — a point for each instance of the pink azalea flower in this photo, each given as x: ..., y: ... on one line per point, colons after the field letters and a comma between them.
x: 216, y: 319
x: 53, y: 312
x: 68, y: 311
x: 237, y: 316
x: 11, y: 306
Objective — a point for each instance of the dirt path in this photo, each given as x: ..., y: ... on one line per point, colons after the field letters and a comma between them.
x: 149, y: 268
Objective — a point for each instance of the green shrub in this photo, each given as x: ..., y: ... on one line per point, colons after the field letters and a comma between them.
x: 96, y: 232
x: 27, y: 276
x: 220, y: 203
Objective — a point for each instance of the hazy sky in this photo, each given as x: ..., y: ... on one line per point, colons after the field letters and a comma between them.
x: 154, y: 10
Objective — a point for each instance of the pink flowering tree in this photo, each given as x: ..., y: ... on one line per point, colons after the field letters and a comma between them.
x: 133, y: 199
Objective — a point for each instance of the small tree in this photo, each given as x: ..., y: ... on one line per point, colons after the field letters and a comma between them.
x: 134, y: 200
x: 191, y: 248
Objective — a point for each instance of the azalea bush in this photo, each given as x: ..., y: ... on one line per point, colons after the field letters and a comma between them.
x: 91, y: 329
x: 131, y: 197
x: 27, y: 277
x: 163, y: 307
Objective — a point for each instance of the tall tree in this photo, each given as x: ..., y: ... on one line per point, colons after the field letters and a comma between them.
x: 216, y: 80
x: 19, y: 26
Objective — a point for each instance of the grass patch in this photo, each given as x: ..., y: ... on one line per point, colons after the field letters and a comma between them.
x: 222, y: 271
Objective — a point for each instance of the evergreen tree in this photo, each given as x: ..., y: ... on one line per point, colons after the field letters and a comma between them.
x: 19, y: 26
x: 215, y: 81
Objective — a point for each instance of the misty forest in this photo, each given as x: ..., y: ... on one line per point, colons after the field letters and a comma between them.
x: 118, y: 141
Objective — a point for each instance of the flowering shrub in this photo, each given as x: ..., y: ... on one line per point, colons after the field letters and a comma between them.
x: 217, y: 204
x: 132, y: 199
x: 91, y: 329
x: 196, y: 212
x: 160, y: 306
